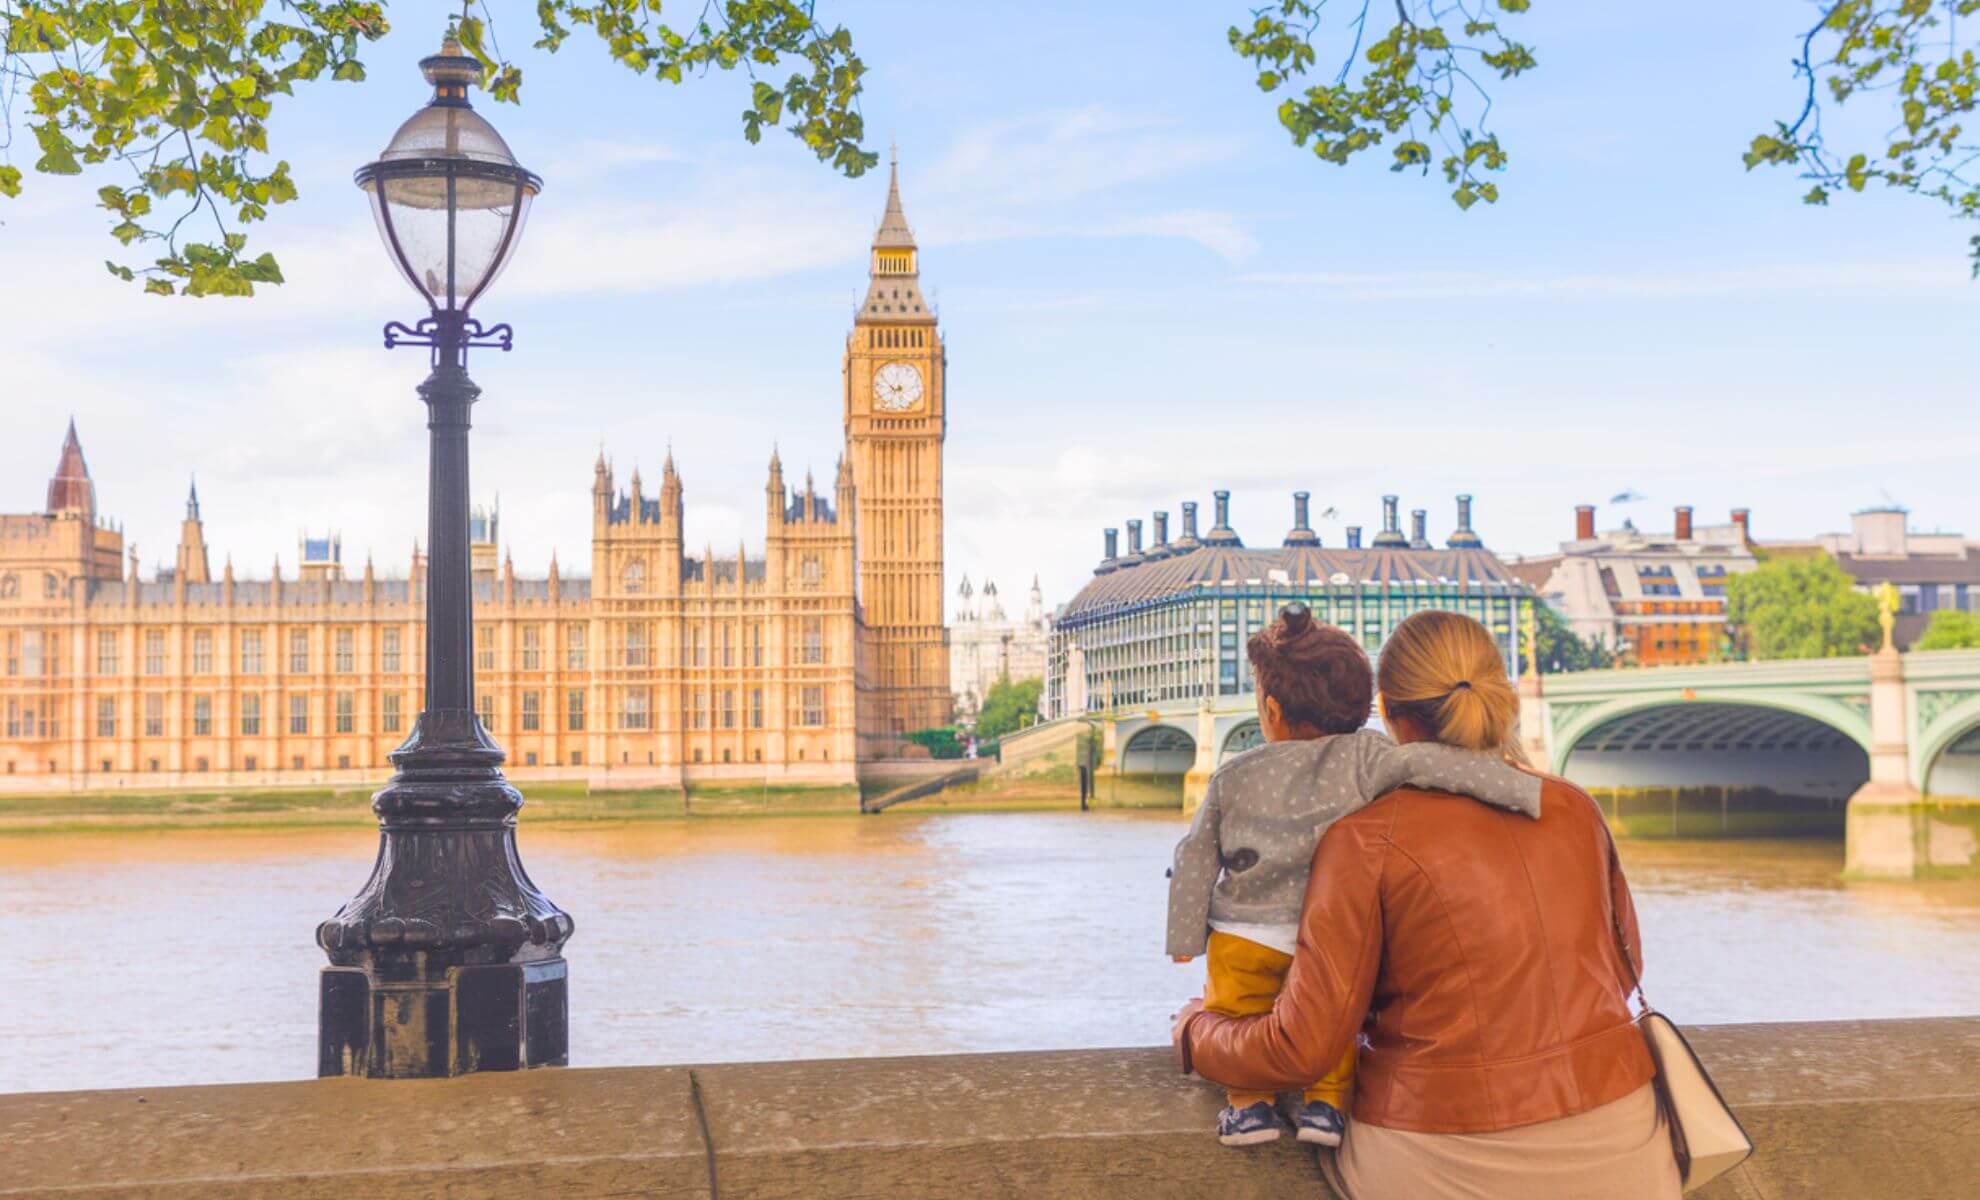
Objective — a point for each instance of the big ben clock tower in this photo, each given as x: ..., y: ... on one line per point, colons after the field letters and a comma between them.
x: 896, y: 415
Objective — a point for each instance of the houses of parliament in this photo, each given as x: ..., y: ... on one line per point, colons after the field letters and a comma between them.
x: 663, y: 668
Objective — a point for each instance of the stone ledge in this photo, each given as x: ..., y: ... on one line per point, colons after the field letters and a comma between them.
x: 1843, y: 1109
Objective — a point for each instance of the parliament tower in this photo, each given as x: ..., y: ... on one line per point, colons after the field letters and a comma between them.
x: 896, y: 416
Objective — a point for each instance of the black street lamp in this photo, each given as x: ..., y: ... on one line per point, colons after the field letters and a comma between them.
x: 449, y: 959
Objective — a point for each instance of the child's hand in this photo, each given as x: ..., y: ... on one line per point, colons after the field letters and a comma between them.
x: 1183, y: 958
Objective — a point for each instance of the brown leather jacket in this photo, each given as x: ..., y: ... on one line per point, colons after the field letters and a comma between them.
x: 1472, y: 951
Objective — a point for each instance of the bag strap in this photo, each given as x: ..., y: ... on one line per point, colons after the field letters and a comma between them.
x: 1615, y: 918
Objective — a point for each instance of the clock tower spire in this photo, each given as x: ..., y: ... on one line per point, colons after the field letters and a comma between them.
x: 896, y: 416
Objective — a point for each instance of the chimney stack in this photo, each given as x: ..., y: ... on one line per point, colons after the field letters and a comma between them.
x: 1683, y: 513
x: 1462, y: 538
x: 1301, y: 533
x: 1584, y: 522
x: 1161, y: 547
x: 1742, y: 517
x: 1354, y: 537
x: 1391, y: 536
x: 1134, y: 541
x: 1221, y: 534
x: 1189, y: 523
x: 1112, y: 559
x: 1419, y: 529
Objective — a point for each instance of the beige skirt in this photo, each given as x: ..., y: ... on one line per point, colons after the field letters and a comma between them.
x: 1620, y: 1151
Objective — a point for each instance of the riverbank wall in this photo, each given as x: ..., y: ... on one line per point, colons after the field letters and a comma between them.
x: 1866, y: 1109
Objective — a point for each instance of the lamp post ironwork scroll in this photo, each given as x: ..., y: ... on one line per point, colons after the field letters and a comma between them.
x: 448, y: 960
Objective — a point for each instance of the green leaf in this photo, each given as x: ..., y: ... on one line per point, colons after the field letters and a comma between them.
x: 10, y: 180
x: 156, y: 287
x: 58, y: 153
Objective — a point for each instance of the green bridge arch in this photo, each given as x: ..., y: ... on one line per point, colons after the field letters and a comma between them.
x: 1581, y: 719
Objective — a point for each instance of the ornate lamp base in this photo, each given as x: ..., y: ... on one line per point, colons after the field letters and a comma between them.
x: 498, y: 1017
x: 448, y: 960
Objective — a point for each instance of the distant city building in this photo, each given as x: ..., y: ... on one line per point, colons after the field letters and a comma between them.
x: 1170, y: 621
x: 667, y: 666
x: 1931, y: 571
x: 1651, y: 598
x: 986, y: 644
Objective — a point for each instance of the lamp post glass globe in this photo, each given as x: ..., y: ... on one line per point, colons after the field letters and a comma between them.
x: 449, y: 197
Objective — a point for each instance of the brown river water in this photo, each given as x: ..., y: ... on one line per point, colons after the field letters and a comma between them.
x: 138, y: 959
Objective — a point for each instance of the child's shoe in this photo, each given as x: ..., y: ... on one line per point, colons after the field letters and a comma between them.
x: 1319, y: 1123
x: 1248, y: 1126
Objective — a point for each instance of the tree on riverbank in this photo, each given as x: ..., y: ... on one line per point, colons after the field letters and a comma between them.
x: 1950, y: 629
x: 1801, y: 606
x: 175, y: 99
x: 1007, y: 707
x: 1560, y: 650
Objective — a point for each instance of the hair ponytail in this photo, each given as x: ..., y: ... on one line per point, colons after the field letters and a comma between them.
x: 1442, y: 671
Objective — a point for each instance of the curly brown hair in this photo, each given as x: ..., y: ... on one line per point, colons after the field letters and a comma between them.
x: 1319, y: 674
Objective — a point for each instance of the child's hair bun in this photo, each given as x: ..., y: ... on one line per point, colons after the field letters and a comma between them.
x: 1296, y: 617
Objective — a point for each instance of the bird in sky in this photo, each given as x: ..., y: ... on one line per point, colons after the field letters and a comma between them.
x: 1627, y: 496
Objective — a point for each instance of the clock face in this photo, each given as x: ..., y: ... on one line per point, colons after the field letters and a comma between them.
x: 896, y: 387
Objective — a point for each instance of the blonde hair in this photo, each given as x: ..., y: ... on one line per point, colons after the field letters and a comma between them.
x: 1442, y: 671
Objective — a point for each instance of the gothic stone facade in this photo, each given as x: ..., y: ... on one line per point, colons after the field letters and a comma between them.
x: 986, y: 644
x: 665, y: 667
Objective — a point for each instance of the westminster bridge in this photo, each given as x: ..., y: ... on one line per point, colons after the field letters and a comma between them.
x: 1884, y: 748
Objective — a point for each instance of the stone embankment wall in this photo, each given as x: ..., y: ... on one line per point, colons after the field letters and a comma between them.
x: 1862, y: 1110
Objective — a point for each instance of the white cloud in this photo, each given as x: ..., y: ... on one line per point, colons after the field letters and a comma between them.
x: 1219, y: 232
x: 592, y: 157
x: 1054, y: 157
x: 627, y: 248
x: 1927, y: 276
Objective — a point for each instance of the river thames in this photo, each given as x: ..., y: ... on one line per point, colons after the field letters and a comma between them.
x: 186, y: 957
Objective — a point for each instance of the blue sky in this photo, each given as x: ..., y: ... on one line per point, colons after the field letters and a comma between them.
x: 1147, y: 291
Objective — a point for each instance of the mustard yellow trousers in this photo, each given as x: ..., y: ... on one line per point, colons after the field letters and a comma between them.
x: 1244, y: 978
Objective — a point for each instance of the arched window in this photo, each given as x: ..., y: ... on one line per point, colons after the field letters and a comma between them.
x: 634, y: 577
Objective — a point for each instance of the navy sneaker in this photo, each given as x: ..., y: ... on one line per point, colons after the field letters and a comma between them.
x: 1320, y: 1123
x: 1248, y: 1126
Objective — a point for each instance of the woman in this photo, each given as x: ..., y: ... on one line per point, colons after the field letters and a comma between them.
x: 1476, y: 956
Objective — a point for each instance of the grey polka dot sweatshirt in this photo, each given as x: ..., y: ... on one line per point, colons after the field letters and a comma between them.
x: 1247, y: 855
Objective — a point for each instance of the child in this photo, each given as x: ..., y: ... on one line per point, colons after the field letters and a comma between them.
x: 1240, y: 873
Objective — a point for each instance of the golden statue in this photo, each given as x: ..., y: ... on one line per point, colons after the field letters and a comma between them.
x: 1887, y: 607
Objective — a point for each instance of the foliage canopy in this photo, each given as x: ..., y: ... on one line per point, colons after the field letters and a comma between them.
x: 1419, y: 80
x: 1907, y: 56
x: 1950, y: 629
x: 1007, y: 706
x: 172, y: 100
x: 1560, y: 649
x: 1801, y: 606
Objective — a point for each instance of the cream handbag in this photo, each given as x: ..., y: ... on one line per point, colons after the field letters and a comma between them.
x: 1705, y: 1135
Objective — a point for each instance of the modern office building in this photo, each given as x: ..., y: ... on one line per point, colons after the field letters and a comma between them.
x: 1169, y: 620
